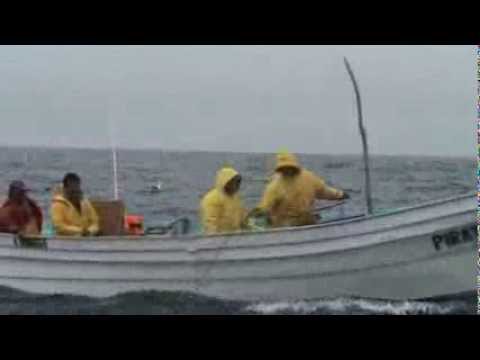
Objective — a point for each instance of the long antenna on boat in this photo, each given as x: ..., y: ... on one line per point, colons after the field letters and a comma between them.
x: 363, y: 133
x: 114, y: 155
x: 115, y: 178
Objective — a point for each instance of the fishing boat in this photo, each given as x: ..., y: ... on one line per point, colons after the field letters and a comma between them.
x: 412, y: 253
x: 422, y: 251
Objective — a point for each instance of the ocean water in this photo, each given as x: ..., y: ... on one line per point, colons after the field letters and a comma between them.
x: 185, y: 176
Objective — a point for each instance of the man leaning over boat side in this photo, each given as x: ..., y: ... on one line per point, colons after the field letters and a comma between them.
x: 289, y: 197
x: 72, y: 213
x: 221, y: 209
x: 20, y: 214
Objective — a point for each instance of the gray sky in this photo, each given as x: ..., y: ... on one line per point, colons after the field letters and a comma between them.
x: 417, y: 99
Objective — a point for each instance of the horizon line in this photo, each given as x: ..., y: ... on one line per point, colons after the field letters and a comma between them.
x: 153, y: 148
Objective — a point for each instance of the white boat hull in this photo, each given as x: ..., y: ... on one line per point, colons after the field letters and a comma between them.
x: 420, y: 252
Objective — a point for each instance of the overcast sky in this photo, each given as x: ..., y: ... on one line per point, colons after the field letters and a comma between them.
x: 417, y: 99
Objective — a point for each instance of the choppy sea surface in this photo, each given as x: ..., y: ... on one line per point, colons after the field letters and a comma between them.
x: 184, y: 176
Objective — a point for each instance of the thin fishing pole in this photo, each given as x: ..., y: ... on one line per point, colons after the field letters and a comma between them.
x: 114, y: 152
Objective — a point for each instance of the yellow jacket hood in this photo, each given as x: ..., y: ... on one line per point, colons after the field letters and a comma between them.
x: 224, y: 175
x: 58, y: 194
x: 285, y: 158
x: 219, y: 212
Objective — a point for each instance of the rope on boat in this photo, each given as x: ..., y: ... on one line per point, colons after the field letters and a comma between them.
x: 204, y: 276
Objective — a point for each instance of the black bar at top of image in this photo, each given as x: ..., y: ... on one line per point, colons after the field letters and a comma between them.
x: 145, y: 32
x: 242, y: 23
x: 236, y: 38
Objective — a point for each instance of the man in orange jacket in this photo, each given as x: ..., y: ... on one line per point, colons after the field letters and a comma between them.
x: 20, y: 214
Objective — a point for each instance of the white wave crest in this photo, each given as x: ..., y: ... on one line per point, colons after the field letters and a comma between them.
x: 348, y: 306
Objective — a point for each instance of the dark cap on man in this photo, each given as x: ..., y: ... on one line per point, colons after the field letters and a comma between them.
x: 18, y: 185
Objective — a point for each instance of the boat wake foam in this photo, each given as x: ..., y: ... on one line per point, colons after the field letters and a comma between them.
x: 358, y: 307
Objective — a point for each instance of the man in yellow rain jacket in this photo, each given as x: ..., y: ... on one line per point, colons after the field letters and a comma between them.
x: 221, y: 209
x: 289, y: 197
x: 72, y: 214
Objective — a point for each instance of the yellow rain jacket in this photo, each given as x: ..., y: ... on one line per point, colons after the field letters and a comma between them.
x: 289, y: 201
x: 220, y: 212
x: 66, y: 219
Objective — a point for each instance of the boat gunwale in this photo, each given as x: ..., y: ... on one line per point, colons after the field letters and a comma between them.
x: 355, y: 246
x: 222, y: 246
x: 227, y: 236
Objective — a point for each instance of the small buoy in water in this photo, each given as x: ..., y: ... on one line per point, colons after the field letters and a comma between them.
x: 157, y: 187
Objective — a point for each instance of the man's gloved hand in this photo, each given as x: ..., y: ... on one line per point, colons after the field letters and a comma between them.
x: 345, y: 196
x: 255, y: 212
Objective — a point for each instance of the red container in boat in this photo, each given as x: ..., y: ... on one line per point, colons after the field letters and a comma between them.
x: 134, y: 224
